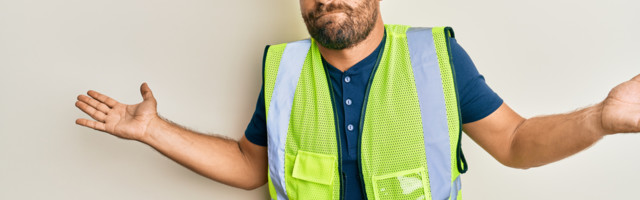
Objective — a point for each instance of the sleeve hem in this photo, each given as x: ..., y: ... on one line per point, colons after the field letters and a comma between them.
x: 488, y: 111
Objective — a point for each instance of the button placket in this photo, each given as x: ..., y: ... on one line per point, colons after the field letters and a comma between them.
x: 348, y: 101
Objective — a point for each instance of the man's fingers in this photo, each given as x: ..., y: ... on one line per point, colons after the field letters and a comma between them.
x: 146, y: 92
x: 91, y: 124
x: 103, y: 98
x: 95, y: 114
x: 636, y: 78
x: 94, y: 103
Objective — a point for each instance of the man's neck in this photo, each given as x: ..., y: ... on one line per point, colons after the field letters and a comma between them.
x: 346, y: 58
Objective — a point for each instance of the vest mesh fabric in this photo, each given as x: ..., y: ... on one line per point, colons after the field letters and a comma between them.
x: 274, y: 54
x: 392, y: 148
x: 312, y: 129
x: 441, y: 35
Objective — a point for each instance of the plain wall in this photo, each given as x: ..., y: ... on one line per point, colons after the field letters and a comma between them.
x: 202, y: 60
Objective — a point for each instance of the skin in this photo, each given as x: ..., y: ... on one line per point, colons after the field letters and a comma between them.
x: 509, y: 138
x: 345, y: 58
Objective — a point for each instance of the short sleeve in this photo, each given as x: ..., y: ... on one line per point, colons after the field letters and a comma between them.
x: 477, y: 100
x: 256, y: 131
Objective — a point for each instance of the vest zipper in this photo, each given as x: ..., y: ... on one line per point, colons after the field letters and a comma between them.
x: 338, y: 128
x: 364, y: 107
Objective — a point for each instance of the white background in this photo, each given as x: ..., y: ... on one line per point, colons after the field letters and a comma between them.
x: 202, y: 60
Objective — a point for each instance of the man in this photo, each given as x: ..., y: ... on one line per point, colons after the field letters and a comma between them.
x: 356, y: 50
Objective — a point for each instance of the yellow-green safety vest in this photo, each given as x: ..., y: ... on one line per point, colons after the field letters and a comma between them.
x: 410, y: 132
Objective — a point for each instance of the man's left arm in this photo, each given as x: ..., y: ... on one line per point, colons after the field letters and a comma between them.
x: 523, y: 143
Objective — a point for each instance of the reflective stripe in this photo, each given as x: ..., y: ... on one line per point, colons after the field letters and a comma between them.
x: 280, y: 110
x: 456, y: 186
x: 426, y: 72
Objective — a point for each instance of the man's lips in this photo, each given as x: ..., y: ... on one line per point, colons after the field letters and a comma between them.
x: 329, y: 13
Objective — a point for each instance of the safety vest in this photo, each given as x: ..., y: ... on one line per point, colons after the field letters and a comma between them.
x: 410, y: 127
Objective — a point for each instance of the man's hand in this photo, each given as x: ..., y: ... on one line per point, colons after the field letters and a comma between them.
x: 621, y: 109
x: 121, y: 120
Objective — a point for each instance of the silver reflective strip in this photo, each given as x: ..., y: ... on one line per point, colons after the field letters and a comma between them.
x: 426, y: 72
x: 456, y: 186
x: 280, y: 110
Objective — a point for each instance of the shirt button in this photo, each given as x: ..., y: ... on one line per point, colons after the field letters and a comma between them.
x: 350, y: 127
x: 348, y: 102
x: 347, y: 79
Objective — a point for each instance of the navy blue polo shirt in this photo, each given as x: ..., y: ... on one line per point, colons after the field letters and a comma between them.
x: 477, y: 101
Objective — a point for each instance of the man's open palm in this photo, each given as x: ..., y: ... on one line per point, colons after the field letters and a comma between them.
x: 121, y: 120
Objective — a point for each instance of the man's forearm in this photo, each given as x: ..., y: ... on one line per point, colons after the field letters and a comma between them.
x: 545, y: 139
x: 214, y: 157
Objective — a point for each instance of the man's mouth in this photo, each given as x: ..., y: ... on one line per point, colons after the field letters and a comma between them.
x: 330, y: 13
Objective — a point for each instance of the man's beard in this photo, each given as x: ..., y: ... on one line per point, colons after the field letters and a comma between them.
x: 346, y: 33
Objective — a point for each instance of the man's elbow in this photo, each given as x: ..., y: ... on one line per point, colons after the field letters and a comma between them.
x: 518, y: 163
x: 252, y: 186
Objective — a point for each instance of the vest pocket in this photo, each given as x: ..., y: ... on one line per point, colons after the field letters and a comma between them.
x: 312, y: 176
x: 409, y: 184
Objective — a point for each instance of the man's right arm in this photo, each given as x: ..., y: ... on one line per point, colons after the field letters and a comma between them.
x: 240, y: 164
